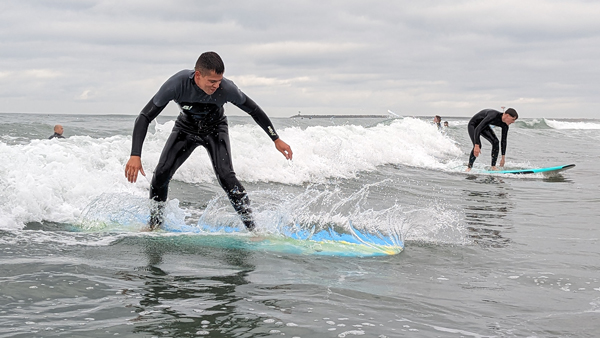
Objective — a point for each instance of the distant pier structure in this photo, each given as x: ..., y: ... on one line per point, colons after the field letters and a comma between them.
x: 299, y: 115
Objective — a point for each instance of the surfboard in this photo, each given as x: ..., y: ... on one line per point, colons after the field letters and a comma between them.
x: 546, y: 171
x: 321, y: 243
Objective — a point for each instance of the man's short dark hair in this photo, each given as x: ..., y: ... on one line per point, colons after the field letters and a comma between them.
x: 512, y: 112
x: 210, y: 61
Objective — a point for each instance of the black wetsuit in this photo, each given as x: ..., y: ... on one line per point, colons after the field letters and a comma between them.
x: 202, y: 122
x: 56, y: 135
x: 479, y: 125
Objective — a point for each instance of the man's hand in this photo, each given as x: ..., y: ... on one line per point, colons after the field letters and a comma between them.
x: 476, y: 150
x: 133, y: 166
x: 283, y: 148
x: 502, y: 161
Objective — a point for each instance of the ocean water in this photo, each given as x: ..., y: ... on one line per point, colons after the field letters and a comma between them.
x: 484, y: 255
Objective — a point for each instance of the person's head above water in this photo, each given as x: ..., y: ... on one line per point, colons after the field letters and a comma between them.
x: 58, y: 129
x: 209, y: 71
x: 209, y: 61
x: 510, y: 116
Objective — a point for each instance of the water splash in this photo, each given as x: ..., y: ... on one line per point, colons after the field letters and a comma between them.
x: 319, y: 213
x: 124, y: 212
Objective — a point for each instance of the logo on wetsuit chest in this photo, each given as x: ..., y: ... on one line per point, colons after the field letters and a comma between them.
x: 198, y: 110
x: 201, y: 115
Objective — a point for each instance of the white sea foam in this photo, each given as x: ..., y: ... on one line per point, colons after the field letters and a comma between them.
x: 56, y: 179
x: 572, y: 125
x: 325, y: 152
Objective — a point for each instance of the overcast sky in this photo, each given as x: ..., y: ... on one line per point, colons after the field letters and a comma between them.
x: 451, y: 58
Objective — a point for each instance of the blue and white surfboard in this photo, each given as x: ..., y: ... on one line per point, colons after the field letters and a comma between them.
x: 322, y: 243
x: 545, y: 171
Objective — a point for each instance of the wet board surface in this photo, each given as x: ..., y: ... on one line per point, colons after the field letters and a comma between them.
x: 324, y: 243
x: 545, y: 171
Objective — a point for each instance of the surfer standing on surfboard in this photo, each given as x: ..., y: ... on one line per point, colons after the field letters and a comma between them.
x: 479, y: 125
x: 200, y: 94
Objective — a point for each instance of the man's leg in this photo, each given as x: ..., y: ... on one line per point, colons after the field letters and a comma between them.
x: 178, y: 148
x: 219, y: 150
x: 489, y: 135
x: 472, y: 157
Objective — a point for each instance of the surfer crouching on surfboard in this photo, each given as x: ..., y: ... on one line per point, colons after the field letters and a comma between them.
x: 479, y: 125
x: 200, y: 94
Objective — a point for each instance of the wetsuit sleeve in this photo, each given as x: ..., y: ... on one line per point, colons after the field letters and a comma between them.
x: 259, y: 116
x: 481, y: 126
x: 504, y: 139
x: 140, y: 128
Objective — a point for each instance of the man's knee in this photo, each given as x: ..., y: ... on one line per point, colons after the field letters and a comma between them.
x: 162, y: 173
x: 226, y: 177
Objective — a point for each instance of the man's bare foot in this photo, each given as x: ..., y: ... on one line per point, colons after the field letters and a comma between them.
x: 494, y: 168
x: 468, y: 169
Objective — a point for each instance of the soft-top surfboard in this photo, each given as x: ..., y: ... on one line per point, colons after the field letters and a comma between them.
x: 545, y: 171
x: 108, y: 213
x: 324, y: 242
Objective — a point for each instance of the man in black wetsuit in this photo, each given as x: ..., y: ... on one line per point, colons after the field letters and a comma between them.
x: 58, y: 132
x: 479, y: 125
x: 200, y: 94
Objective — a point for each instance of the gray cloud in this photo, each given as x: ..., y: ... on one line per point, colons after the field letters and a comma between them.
x: 415, y: 58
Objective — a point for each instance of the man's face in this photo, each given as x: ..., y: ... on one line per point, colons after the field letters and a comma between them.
x: 209, y: 83
x: 506, y: 118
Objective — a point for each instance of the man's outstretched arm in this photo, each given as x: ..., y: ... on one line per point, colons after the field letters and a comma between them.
x: 261, y: 118
x: 140, y: 129
x: 503, y: 145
